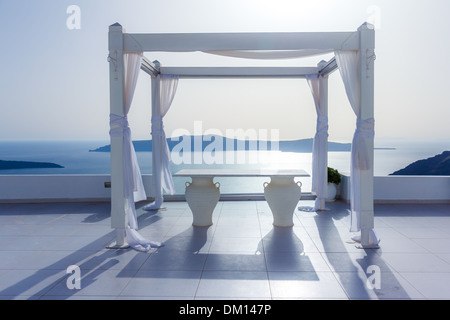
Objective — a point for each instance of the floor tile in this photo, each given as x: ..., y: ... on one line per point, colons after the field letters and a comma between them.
x: 235, y: 261
x: 157, y: 283
x: 335, y: 245
x: 377, y: 286
x: 389, y: 233
x: 55, y: 259
x: 355, y: 261
x: 416, y: 262
x: 401, y: 245
x: 295, y: 261
x: 230, y: 284
x: 305, y: 285
x: 30, y: 283
x: 175, y: 260
x: 435, y: 245
x: 199, y: 243
x: 236, y: 244
x: 444, y: 256
x: 27, y: 243
x: 430, y: 285
x: 424, y: 233
x: 114, y: 259
x: 237, y: 230
x: 288, y: 239
x: 12, y: 259
x: 96, y: 282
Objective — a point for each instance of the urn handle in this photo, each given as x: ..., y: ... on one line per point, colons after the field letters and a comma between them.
x: 217, y: 184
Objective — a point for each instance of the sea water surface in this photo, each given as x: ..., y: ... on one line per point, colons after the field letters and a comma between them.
x: 76, y: 158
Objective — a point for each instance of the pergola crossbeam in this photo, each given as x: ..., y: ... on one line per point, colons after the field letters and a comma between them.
x: 240, y: 72
x: 149, y: 67
x: 329, y: 67
x: 191, y: 42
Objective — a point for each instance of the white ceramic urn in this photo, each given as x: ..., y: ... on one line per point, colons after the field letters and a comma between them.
x: 282, y: 194
x: 202, y: 196
x: 331, y: 192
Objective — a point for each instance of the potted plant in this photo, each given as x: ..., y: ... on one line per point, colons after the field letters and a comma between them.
x: 334, y: 178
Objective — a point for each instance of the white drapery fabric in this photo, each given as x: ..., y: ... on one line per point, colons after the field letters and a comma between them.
x: 269, y: 54
x: 348, y: 63
x: 133, y: 187
x: 319, y: 152
x: 166, y: 88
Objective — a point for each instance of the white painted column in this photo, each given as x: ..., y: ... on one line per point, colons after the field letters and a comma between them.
x: 116, y: 71
x: 156, y: 144
x: 367, y: 46
x: 323, y: 92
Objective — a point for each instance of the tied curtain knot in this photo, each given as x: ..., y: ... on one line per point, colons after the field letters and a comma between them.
x: 322, y: 126
x: 366, y: 127
x: 158, y: 132
x: 157, y: 125
x: 365, y: 130
x: 118, y: 126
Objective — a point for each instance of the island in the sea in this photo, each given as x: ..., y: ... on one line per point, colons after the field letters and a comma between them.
x: 438, y: 165
x: 302, y: 145
x: 8, y: 165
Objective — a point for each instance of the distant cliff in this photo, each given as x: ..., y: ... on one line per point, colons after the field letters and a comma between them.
x: 302, y: 145
x: 7, y: 165
x: 438, y: 165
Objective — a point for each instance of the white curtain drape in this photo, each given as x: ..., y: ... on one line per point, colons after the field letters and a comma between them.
x: 348, y: 64
x: 319, y: 152
x: 133, y: 190
x: 269, y: 54
x: 167, y: 89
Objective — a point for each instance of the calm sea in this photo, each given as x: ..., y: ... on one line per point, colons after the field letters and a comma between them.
x: 76, y: 158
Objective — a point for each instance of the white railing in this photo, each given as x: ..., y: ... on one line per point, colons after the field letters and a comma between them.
x: 414, y: 189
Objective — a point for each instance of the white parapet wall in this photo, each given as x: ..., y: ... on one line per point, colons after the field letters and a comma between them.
x: 42, y: 188
x: 39, y: 188
x: 58, y: 188
x: 404, y: 189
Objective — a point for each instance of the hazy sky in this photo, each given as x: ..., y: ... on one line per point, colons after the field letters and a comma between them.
x: 54, y: 80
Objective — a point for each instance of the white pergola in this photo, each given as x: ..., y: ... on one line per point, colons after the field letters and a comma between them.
x: 354, y: 57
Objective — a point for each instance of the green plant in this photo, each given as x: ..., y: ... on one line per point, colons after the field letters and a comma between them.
x: 334, y: 176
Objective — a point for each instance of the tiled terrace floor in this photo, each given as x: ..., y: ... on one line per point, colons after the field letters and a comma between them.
x: 241, y: 256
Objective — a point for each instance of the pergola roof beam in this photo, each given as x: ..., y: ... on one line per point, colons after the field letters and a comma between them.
x: 240, y: 72
x: 190, y: 42
x: 149, y: 67
x: 330, y: 67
